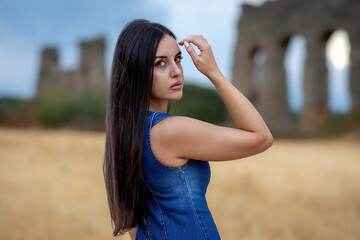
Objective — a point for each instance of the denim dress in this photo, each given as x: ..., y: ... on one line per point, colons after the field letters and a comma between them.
x: 175, y: 196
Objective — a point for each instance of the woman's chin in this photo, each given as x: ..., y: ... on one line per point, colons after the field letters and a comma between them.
x: 177, y: 97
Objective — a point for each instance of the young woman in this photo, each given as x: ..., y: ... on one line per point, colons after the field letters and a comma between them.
x: 156, y: 165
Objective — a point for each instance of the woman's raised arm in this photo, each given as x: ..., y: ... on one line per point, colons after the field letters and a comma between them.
x: 184, y: 138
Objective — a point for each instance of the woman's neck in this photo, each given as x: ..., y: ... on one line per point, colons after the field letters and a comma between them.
x: 160, y: 106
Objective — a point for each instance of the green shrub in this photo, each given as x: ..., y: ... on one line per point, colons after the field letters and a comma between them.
x: 56, y: 108
x: 85, y: 111
x: 201, y: 103
x: 91, y: 110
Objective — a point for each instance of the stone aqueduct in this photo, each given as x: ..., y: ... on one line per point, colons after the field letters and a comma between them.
x: 269, y: 28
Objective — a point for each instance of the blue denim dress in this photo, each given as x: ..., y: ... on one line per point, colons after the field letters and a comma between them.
x: 175, y: 196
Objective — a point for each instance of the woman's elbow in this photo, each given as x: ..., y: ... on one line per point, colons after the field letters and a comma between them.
x: 267, y: 141
x: 257, y: 142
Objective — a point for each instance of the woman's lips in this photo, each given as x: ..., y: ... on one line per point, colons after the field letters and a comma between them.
x: 176, y: 86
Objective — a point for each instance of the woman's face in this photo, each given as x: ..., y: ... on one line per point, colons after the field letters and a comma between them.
x: 168, y: 78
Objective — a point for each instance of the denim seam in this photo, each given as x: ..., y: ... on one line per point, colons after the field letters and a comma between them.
x: 153, y: 155
x: 148, y: 231
x: 161, y: 214
x: 192, y: 204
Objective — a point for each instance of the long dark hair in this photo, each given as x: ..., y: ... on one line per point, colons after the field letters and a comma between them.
x: 127, y: 105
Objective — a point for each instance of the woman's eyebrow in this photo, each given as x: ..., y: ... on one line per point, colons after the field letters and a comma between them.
x: 166, y: 56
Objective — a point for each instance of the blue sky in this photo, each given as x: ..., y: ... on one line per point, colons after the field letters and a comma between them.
x: 28, y: 26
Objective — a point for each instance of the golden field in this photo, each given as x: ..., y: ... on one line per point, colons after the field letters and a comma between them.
x: 51, y: 187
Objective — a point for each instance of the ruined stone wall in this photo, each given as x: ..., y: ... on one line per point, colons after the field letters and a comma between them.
x: 269, y: 28
x: 88, y: 76
x: 91, y: 69
x: 49, y: 73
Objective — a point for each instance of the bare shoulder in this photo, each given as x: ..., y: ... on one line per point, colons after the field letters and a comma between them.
x: 165, y: 139
x: 175, y: 125
x: 177, y: 129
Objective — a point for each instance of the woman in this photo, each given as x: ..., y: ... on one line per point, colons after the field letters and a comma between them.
x: 156, y: 165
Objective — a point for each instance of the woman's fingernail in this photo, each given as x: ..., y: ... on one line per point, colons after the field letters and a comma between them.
x: 186, y: 44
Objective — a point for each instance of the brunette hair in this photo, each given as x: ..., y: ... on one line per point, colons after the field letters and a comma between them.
x: 126, y: 113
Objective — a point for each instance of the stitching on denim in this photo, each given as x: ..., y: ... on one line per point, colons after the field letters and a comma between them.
x: 153, y: 155
x: 160, y: 211
x: 161, y: 215
x: 147, y: 229
x: 192, y: 203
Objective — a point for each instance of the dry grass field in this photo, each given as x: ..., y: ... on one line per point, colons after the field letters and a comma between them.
x: 51, y: 187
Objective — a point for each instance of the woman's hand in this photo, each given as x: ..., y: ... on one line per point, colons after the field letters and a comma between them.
x: 205, y: 61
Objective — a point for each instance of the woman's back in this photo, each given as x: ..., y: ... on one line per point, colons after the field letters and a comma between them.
x: 175, y: 196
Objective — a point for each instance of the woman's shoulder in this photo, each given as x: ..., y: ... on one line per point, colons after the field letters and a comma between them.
x: 173, y: 125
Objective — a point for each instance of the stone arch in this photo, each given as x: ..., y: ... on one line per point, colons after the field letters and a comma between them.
x: 294, y: 64
x: 245, y: 66
x: 257, y: 55
x: 259, y: 59
x: 273, y: 93
x: 338, y: 68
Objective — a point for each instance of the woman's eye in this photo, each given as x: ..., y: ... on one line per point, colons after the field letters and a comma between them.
x: 178, y: 59
x: 160, y: 63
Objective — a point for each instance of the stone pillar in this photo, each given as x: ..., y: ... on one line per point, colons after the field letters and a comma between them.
x: 273, y: 92
x: 242, y: 77
x: 315, y: 110
x: 49, y: 73
x: 92, y: 73
x: 355, y: 71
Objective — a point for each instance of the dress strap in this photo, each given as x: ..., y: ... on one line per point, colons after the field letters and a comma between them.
x: 157, y: 117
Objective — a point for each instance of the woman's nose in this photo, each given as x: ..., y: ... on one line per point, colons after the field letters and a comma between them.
x: 176, y: 69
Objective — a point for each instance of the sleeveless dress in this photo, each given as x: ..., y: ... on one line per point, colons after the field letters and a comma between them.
x: 175, y: 196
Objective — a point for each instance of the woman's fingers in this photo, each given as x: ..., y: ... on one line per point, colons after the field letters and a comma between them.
x: 205, y: 61
x: 198, y: 40
x: 191, y: 51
